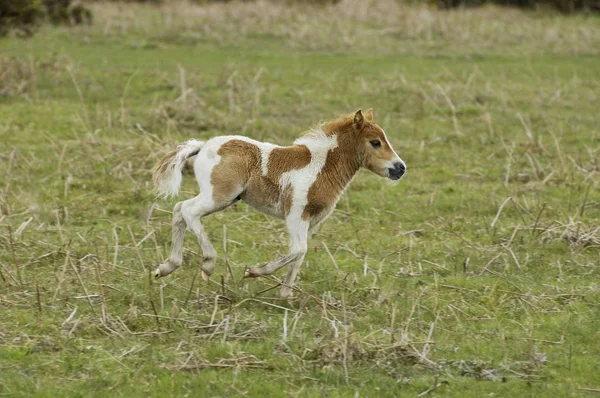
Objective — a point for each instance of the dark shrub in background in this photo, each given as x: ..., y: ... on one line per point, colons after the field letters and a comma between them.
x: 19, y: 15
x: 66, y: 11
x: 23, y: 16
x: 560, y: 5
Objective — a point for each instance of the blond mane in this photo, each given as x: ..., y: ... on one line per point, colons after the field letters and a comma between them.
x: 326, y: 129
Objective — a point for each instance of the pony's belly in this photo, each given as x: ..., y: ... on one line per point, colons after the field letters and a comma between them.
x: 264, y: 196
x: 267, y: 209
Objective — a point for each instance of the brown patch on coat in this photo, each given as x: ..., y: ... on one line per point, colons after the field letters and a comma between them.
x: 240, y: 160
x: 282, y: 160
x: 161, y: 168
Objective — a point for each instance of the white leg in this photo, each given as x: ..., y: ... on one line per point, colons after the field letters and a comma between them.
x: 202, y: 206
x: 292, y: 273
x: 290, y: 277
x: 189, y: 213
x: 178, y: 229
x: 298, y: 230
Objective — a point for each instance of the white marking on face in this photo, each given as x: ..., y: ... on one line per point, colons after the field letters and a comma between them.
x: 396, y: 159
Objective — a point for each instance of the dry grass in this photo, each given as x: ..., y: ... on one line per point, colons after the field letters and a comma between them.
x: 384, y: 27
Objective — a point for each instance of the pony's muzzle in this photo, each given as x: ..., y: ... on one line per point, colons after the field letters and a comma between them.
x: 396, y: 172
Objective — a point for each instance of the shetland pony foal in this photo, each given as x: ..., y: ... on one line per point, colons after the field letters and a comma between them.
x: 300, y: 183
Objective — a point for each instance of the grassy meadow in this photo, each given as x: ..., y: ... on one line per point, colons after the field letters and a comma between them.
x: 477, y: 275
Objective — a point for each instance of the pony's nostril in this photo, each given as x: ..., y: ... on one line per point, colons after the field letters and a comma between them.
x: 399, y: 168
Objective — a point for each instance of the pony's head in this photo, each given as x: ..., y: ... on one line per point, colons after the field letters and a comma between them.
x: 377, y: 153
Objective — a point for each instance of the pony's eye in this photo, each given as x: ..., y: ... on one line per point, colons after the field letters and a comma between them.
x: 375, y: 143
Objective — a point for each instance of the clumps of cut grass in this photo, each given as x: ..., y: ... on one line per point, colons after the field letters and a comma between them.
x: 529, y: 369
x: 193, y: 363
x: 575, y: 233
x: 336, y: 351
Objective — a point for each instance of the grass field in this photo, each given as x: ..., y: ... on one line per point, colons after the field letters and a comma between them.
x: 477, y: 275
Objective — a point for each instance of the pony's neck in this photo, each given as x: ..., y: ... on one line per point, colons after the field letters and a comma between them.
x: 343, y: 161
x: 335, y: 142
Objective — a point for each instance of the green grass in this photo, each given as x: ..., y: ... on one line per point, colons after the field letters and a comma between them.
x: 432, y: 285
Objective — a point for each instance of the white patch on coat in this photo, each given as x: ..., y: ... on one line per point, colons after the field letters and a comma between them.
x: 265, y: 152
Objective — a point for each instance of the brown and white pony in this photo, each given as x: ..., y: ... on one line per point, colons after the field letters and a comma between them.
x: 300, y: 183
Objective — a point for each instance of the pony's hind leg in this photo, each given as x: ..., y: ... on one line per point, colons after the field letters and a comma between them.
x: 189, y: 213
x: 193, y: 211
x: 176, y: 257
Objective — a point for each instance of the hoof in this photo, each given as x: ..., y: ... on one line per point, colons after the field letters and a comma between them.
x: 165, y: 269
x: 204, y: 275
x: 207, y: 268
x: 286, y: 292
x: 250, y: 273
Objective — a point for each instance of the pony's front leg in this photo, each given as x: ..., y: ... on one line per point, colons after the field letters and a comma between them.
x: 298, y: 230
x: 292, y: 274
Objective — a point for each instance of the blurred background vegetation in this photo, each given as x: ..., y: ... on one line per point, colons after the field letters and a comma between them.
x: 22, y: 17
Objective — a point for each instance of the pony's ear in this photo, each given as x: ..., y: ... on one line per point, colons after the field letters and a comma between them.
x: 369, y: 115
x: 358, y: 120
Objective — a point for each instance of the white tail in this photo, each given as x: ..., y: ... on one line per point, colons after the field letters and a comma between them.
x: 167, y: 173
